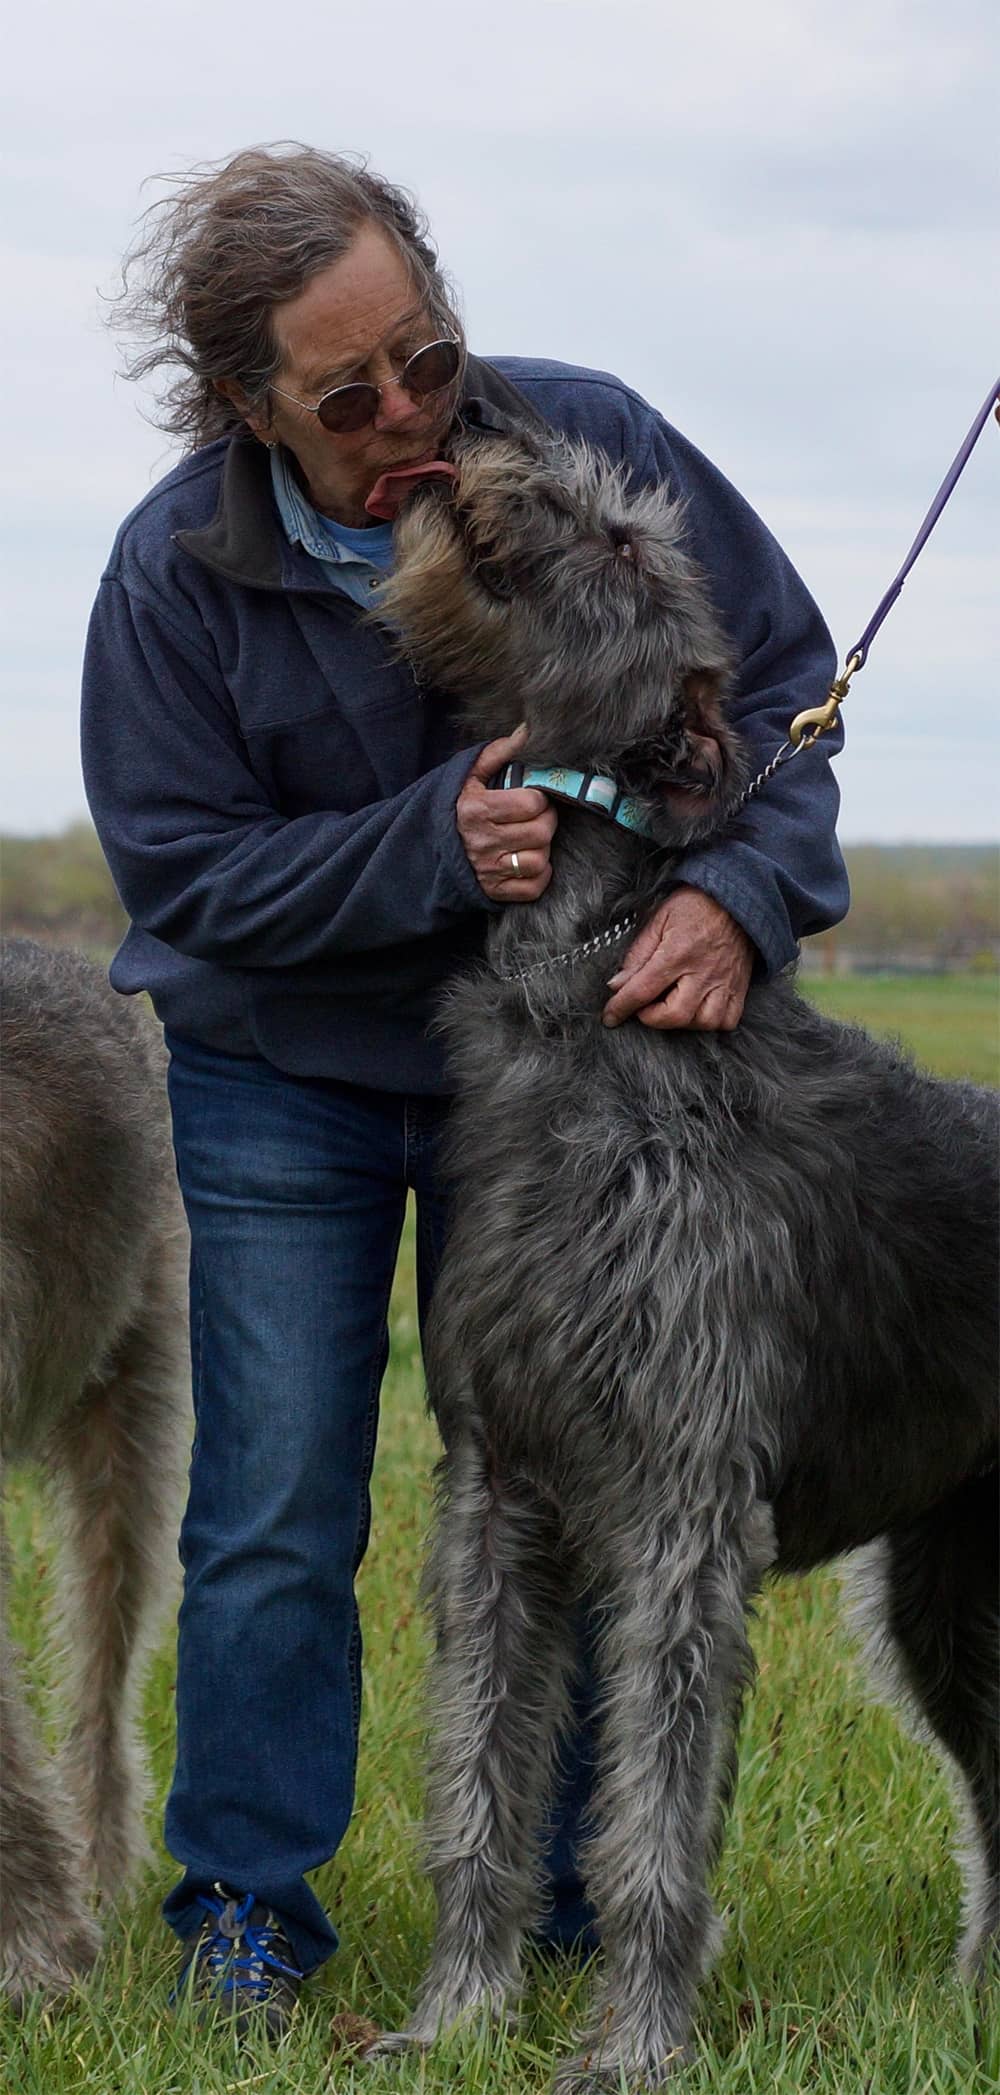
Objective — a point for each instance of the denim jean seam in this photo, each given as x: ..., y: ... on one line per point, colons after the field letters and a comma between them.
x: 197, y: 1353
x: 367, y: 1460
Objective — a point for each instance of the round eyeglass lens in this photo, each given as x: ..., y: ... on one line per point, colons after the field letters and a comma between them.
x: 348, y: 407
x: 428, y: 371
x: 431, y: 369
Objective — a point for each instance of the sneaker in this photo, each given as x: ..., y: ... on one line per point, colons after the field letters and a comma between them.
x: 242, y: 1961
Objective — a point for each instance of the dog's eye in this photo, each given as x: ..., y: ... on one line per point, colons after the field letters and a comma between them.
x: 495, y: 579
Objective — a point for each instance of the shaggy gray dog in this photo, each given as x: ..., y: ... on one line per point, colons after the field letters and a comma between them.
x: 712, y: 1304
x: 93, y: 1329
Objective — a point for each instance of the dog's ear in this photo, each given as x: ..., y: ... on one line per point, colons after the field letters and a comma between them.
x: 686, y: 764
x: 480, y: 554
x: 699, y: 715
x: 703, y: 692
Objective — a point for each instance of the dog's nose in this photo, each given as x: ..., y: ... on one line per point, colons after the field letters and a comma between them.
x: 621, y: 539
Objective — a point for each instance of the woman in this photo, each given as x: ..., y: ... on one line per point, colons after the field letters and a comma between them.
x: 306, y: 852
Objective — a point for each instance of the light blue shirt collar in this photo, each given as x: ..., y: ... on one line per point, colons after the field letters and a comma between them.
x: 299, y: 519
x: 346, y: 566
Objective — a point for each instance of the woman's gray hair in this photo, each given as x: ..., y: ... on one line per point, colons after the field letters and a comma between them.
x: 231, y: 242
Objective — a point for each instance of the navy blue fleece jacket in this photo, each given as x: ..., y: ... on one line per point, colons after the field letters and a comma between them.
x: 276, y: 796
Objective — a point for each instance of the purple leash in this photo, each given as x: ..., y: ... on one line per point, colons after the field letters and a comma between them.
x: 955, y: 470
x: 807, y: 727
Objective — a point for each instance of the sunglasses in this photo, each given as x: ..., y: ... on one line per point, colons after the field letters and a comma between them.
x: 427, y: 371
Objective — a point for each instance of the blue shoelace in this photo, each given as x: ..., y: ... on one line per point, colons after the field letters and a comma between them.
x: 237, y: 1956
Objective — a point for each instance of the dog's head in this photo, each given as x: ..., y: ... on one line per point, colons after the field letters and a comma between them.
x: 535, y: 587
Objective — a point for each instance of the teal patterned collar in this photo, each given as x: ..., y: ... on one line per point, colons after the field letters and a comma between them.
x: 584, y: 788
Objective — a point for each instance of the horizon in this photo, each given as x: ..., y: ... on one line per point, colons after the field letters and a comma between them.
x: 914, y: 843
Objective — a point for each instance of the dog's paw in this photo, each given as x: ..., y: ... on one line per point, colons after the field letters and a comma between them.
x: 609, y: 2065
x: 441, y: 2018
x: 394, y: 2044
x: 49, y: 1966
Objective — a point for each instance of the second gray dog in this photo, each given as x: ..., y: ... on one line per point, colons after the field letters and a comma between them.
x: 712, y: 1304
x: 95, y: 1388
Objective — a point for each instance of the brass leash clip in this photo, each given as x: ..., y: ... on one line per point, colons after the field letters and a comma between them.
x: 807, y: 727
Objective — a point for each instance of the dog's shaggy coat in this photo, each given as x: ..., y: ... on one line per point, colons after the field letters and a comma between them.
x: 94, y: 1381
x: 712, y: 1304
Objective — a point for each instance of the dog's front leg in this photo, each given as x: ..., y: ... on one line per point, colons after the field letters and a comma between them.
x: 673, y: 1653
x: 499, y: 1699
x: 116, y: 1458
x: 48, y: 1936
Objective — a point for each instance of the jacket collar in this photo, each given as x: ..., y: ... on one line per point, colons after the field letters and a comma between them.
x: 245, y: 542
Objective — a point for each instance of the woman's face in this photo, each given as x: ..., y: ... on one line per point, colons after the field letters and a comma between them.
x: 359, y: 318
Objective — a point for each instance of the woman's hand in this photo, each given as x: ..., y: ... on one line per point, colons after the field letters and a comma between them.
x: 507, y: 833
x: 690, y: 967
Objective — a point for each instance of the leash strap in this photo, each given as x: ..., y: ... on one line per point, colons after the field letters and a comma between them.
x: 952, y: 476
x: 582, y: 789
x: 807, y: 727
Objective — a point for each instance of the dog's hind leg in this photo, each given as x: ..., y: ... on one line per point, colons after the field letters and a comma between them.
x: 503, y: 1614
x: 116, y: 1462
x: 48, y: 1937
x: 933, y: 1589
x: 674, y: 1651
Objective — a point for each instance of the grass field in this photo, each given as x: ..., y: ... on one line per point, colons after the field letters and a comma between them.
x: 837, y: 1877
x: 951, y: 1022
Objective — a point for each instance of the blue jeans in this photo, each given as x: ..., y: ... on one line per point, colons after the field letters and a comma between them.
x: 295, y: 1191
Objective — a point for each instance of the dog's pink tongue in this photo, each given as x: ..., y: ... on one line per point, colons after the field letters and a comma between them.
x: 393, y: 487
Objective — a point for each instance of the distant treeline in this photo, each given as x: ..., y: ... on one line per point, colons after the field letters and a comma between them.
x: 934, y: 906
x: 914, y: 905
x: 59, y: 888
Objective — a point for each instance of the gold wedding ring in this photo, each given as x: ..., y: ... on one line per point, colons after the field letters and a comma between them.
x: 516, y: 864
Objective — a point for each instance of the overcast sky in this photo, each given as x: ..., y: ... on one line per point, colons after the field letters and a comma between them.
x: 778, y: 221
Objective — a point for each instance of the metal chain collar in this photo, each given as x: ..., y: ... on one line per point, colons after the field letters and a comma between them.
x: 601, y: 942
